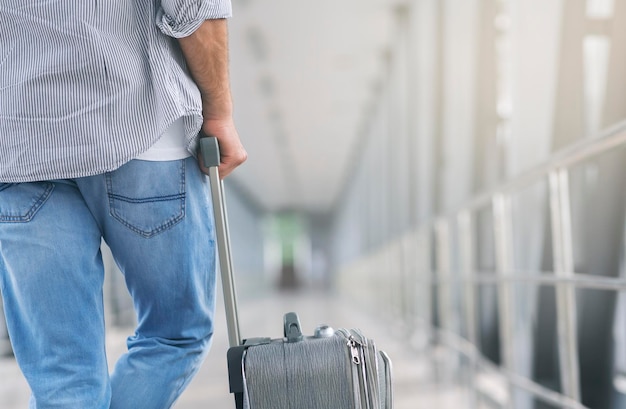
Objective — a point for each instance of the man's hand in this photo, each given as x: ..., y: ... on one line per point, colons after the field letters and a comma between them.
x: 232, y: 152
x: 206, y: 54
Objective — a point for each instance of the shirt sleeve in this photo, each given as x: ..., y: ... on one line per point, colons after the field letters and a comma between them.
x: 180, y: 18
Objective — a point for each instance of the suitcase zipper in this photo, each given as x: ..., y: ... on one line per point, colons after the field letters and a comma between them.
x: 355, y: 360
x: 370, y: 370
x: 357, y: 346
x: 354, y: 351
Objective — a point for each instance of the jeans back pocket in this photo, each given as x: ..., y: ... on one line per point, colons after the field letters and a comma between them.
x: 147, y: 197
x: 20, y: 202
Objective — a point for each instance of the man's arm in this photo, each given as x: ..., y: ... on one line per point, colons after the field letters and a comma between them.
x: 206, y: 54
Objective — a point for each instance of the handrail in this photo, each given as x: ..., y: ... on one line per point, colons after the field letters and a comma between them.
x: 583, y: 281
x: 565, y: 281
x: 465, y: 347
x: 555, y: 173
x: 575, y: 153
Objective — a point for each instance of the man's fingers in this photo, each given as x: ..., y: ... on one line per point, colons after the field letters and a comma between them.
x: 230, y: 162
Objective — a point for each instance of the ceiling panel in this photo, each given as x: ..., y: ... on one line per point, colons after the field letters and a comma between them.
x: 302, y: 74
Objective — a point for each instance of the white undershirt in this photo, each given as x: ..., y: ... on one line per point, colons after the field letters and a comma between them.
x: 171, y: 145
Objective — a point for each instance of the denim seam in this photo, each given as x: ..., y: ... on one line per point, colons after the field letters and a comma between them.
x: 147, y: 199
x: 183, y: 189
x: 163, y: 226
x: 33, y: 209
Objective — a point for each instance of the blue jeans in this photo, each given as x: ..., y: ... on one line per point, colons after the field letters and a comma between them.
x: 156, y: 218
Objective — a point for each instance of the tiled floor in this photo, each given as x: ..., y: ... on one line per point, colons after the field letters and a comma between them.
x: 414, y: 386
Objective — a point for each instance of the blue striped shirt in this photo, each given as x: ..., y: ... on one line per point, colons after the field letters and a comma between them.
x: 88, y: 85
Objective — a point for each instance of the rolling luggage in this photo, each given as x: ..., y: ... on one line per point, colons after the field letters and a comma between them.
x: 339, y: 369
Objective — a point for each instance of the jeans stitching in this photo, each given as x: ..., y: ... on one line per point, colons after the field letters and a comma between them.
x: 155, y: 199
x: 183, y: 190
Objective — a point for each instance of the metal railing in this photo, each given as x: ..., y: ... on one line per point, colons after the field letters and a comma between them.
x: 462, y: 287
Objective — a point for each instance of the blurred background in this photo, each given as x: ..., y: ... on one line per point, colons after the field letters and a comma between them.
x: 452, y: 172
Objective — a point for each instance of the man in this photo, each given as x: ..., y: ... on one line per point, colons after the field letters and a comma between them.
x: 101, y: 103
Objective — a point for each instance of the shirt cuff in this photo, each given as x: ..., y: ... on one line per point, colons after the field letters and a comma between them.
x: 180, y: 18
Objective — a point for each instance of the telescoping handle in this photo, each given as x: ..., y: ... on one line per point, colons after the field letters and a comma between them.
x: 209, y: 150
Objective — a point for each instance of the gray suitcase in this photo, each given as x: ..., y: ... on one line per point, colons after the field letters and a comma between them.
x: 339, y: 369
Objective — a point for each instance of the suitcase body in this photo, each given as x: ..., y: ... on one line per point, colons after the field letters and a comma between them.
x: 331, y: 369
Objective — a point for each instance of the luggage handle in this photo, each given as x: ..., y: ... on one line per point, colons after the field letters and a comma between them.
x: 292, y: 331
x: 210, y: 154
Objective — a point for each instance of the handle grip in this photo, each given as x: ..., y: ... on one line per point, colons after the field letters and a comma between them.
x: 210, y: 153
